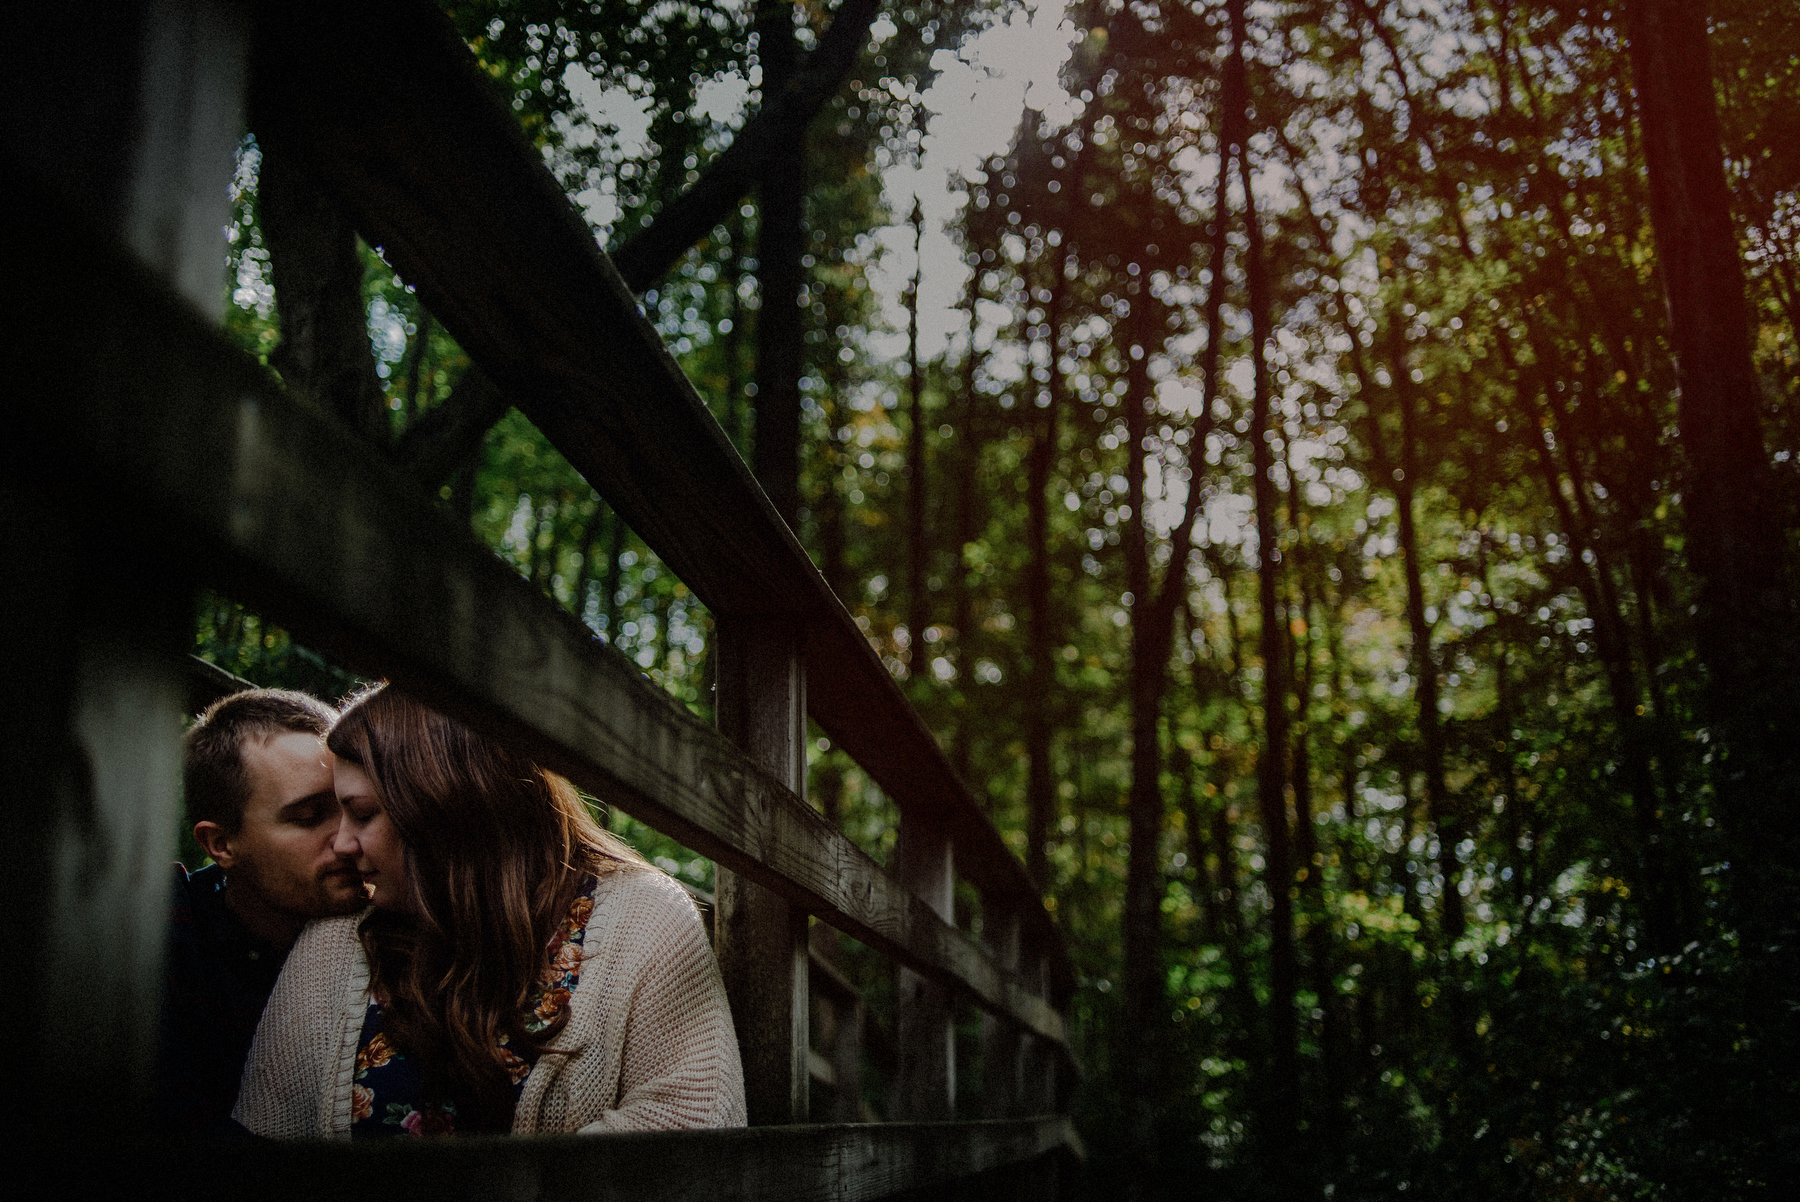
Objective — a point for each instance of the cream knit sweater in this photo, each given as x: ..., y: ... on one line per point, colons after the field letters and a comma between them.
x: 649, y: 1038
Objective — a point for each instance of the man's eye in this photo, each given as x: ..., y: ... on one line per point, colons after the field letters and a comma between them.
x: 312, y: 815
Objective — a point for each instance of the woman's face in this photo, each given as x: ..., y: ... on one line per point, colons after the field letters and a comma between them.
x: 366, y: 837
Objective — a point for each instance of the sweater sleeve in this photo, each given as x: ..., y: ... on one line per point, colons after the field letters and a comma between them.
x: 299, y: 1064
x: 657, y: 1049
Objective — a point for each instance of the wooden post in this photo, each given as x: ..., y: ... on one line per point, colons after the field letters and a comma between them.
x: 759, y: 937
x: 925, y: 1088
x: 846, y: 1063
x: 98, y: 608
x: 144, y: 143
x: 839, y: 1023
x: 1002, y: 1047
x: 97, y: 757
x: 1040, y: 1062
x: 192, y: 98
x: 90, y: 760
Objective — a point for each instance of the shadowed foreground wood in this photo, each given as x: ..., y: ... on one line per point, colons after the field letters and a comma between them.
x: 837, y: 1163
x: 276, y: 503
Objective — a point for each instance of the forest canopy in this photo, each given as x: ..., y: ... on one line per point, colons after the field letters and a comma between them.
x: 1347, y: 544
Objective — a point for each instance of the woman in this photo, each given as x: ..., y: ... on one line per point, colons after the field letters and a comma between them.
x: 519, y: 968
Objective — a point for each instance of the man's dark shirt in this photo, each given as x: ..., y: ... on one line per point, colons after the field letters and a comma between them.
x: 219, y: 978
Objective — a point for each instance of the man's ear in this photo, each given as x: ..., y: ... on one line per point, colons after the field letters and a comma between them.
x: 217, y: 844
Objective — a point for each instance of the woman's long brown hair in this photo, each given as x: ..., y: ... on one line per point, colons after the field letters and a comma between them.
x: 496, y: 849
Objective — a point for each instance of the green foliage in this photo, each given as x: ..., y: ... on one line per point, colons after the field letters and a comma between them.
x: 1468, y: 325
x: 245, y: 644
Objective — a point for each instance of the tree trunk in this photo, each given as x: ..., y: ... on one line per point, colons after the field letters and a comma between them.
x: 968, y: 461
x: 1281, y: 1115
x: 324, y: 350
x: 448, y: 439
x: 1145, y: 1012
x: 1746, y: 628
x: 417, y: 375
x: 1651, y: 874
x: 1439, y: 803
x: 1306, y: 834
x: 615, y: 550
x: 1504, y: 765
x: 917, y: 544
x: 1040, y: 798
x: 584, y: 547
x: 828, y: 509
x: 777, y: 126
x: 780, y: 332
x: 733, y: 350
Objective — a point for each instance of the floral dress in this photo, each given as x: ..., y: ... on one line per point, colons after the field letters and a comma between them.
x: 386, y: 1097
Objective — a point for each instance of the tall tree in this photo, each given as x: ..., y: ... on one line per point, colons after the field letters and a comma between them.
x: 1281, y: 1114
x: 1044, y: 407
x: 1747, y: 632
x: 918, y: 547
x: 318, y: 271
x: 1155, y: 604
x: 781, y: 242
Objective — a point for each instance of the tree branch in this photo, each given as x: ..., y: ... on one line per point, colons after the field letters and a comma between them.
x: 433, y: 448
x: 644, y: 257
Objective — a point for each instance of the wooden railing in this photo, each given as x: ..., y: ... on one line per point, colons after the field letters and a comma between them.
x: 150, y: 456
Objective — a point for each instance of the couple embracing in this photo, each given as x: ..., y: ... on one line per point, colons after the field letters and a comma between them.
x: 481, y: 955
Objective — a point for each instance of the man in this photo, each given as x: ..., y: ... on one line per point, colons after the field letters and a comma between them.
x: 259, y: 795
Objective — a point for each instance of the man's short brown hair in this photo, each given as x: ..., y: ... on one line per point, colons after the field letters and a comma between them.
x: 215, y: 782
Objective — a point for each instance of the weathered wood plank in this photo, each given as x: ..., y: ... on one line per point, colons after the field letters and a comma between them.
x: 1002, y: 1050
x: 761, y: 937
x: 433, y: 167
x: 282, y: 507
x: 840, y: 1025
x: 94, y: 619
x: 90, y: 778
x: 925, y: 1086
x: 858, y: 1162
x: 1044, y: 1083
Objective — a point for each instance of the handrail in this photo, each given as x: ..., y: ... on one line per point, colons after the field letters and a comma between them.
x: 280, y: 504
x: 397, y: 119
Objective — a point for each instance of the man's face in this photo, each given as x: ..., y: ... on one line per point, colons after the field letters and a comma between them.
x: 283, y: 852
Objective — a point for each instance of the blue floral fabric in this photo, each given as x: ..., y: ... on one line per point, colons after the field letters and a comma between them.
x: 388, y: 1094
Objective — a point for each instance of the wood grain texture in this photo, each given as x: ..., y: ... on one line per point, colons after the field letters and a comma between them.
x: 761, y: 936
x: 432, y: 166
x: 90, y: 777
x: 278, y: 505
x: 1002, y: 1050
x: 925, y: 1011
x: 95, y: 618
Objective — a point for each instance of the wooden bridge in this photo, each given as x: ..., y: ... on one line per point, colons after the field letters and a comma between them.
x: 146, y: 457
